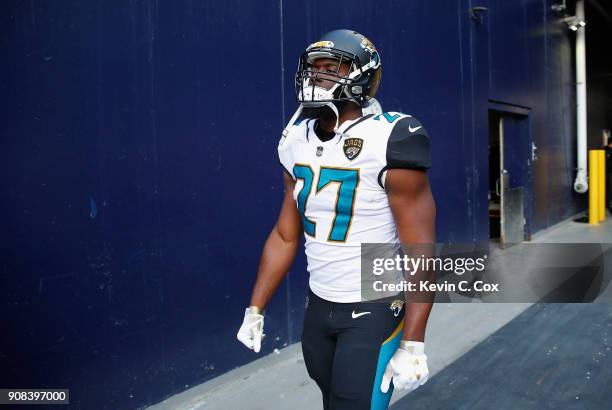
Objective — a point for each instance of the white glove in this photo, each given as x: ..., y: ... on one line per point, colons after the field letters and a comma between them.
x: 407, y: 367
x: 251, y: 331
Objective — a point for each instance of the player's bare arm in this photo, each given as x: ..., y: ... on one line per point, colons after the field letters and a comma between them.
x: 414, y: 211
x: 276, y: 259
x: 279, y: 250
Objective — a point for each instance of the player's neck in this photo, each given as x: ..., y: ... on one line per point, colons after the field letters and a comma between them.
x: 349, y: 113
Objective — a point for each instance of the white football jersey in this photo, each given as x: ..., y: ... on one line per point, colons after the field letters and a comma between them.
x: 340, y: 192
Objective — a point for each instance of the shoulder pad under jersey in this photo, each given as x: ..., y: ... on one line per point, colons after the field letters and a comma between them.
x: 408, y: 145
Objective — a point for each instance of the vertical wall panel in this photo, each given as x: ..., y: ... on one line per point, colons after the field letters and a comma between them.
x: 139, y: 183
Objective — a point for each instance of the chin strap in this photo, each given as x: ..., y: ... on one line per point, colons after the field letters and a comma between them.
x: 335, y: 110
x: 295, y: 116
x: 293, y: 120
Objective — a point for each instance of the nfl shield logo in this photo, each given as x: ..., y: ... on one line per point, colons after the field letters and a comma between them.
x: 352, y: 147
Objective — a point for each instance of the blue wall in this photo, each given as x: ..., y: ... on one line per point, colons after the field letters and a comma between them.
x: 140, y: 178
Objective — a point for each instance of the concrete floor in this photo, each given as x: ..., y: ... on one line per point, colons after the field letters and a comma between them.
x: 552, y: 356
x: 280, y: 381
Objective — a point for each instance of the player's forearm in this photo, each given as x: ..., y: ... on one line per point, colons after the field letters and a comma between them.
x: 415, y: 321
x: 418, y: 241
x: 419, y: 302
x: 276, y: 259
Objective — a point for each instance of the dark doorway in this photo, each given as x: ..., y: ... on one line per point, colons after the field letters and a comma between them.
x: 494, y: 176
x: 509, y: 161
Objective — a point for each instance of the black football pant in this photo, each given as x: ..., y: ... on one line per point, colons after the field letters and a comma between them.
x: 346, y: 349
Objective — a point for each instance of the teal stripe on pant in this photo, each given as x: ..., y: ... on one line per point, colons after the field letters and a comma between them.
x: 380, y: 400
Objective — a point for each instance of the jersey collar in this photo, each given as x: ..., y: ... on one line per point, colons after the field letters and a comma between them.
x: 347, y: 125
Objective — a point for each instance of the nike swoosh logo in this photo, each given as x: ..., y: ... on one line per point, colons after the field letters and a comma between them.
x: 414, y: 129
x: 356, y: 315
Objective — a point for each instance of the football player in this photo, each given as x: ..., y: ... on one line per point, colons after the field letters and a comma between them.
x: 349, y: 178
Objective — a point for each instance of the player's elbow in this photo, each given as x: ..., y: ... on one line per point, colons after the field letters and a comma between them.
x: 289, y: 237
x: 430, y: 206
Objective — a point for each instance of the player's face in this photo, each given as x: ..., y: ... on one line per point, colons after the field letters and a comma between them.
x: 327, y: 70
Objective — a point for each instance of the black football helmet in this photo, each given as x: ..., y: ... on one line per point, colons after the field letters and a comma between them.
x: 359, y: 85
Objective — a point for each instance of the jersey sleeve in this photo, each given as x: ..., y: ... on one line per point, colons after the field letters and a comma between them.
x: 284, y: 156
x: 408, y: 146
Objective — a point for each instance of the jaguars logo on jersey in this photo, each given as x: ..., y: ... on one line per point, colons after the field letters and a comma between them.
x: 352, y: 147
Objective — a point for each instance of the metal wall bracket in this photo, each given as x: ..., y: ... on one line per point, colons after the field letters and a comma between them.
x: 559, y: 7
x: 475, y: 13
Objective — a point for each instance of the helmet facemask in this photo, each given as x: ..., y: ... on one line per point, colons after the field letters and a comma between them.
x: 317, y: 87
